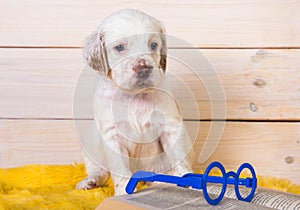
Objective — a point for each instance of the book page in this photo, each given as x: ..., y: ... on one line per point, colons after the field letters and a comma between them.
x: 264, y: 197
x: 177, y: 198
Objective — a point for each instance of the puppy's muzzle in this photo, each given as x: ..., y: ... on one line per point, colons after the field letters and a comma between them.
x: 142, y: 70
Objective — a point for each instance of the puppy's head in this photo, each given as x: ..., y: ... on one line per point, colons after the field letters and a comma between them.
x: 130, y: 48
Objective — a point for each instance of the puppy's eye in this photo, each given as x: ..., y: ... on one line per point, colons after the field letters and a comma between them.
x: 153, y: 46
x: 120, y: 47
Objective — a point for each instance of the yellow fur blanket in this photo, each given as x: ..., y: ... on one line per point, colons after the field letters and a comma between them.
x: 52, y: 187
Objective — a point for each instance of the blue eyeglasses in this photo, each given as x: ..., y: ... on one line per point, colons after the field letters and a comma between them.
x: 199, y: 181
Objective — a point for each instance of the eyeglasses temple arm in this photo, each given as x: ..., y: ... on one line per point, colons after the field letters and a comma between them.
x: 152, y: 177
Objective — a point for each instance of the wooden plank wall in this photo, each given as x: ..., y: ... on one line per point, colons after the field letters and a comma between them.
x: 253, y: 45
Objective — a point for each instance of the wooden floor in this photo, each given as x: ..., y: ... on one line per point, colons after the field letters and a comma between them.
x: 252, y: 46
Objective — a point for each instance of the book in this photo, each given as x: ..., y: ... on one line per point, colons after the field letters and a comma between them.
x: 171, y: 197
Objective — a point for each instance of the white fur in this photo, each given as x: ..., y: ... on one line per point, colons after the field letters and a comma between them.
x: 136, y: 116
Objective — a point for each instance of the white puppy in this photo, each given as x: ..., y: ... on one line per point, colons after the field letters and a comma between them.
x: 136, y: 116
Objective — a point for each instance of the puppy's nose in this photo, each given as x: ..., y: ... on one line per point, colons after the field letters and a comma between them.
x: 141, y: 62
x: 140, y: 65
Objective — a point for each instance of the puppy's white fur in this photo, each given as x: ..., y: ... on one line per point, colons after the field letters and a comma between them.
x: 138, y: 121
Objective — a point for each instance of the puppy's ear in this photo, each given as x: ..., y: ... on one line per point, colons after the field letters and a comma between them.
x: 164, y: 49
x: 163, y: 55
x: 95, y: 53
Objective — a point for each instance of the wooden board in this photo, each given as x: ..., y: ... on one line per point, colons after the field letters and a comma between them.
x: 38, y: 83
x: 37, y: 141
x: 217, y: 23
x: 273, y: 148
x: 258, y: 84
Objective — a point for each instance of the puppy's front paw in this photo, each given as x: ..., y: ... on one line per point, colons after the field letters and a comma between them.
x: 88, y: 183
